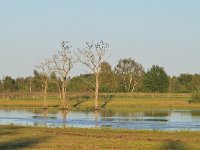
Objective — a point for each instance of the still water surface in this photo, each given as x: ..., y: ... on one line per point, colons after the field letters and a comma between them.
x: 142, y: 120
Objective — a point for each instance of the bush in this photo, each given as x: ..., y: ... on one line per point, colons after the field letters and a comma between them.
x: 195, y: 98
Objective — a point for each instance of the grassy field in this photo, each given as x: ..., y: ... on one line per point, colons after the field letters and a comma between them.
x: 34, y: 138
x: 26, y: 103
x: 130, y: 104
x: 115, y: 103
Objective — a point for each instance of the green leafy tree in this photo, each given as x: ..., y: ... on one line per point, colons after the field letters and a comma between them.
x: 53, y: 83
x: 173, y: 82
x: 82, y: 83
x: 130, y: 74
x: 196, y: 82
x: 1, y: 86
x: 156, y: 80
x: 9, y: 84
x: 20, y: 84
x: 108, y: 82
x: 35, y: 82
x: 185, y: 84
x: 29, y: 83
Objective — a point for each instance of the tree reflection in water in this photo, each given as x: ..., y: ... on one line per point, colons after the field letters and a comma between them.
x: 96, y: 115
x: 45, y: 116
x: 64, y: 117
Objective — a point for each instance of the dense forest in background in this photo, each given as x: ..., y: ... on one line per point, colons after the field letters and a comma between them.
x: 126, y: 76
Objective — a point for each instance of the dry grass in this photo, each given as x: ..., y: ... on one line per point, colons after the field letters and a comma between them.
x: 13, y: 137
x: 156, y: 103
x: 116, y: 103
x: 131, y: 104
x: 27, y: 103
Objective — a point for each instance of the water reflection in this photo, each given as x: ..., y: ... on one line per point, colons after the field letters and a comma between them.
x: 64, y: 116
x: 157, y: 113
x: 150, y: 120
x: 96, y: 115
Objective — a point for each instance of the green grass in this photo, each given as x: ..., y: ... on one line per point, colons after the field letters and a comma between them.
x: 114, y: 103
x: 131, y: 104
x: 34, y: 138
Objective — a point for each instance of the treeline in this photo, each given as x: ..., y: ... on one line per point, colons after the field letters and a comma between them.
x: 127, y: 76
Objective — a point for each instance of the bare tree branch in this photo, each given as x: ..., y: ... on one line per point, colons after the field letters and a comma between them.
x: 92, y: 56
x: 61, y: 64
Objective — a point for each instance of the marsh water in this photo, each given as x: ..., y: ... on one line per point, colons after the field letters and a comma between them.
x: 140, y: 120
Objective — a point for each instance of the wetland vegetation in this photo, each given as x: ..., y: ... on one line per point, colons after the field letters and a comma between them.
x: 29, y: 138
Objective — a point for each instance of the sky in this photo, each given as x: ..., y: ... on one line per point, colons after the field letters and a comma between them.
x: 153, y: 32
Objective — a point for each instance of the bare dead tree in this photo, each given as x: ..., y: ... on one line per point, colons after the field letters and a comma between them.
x: 45, y: 71
x: 62, y: 63
x: 92, y: 56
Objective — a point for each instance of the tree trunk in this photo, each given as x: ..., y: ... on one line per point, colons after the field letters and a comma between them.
x: 134, y: 85
x: 170, y: 86
x: 64, y: 103
x: 130, y: 82
x: 45, y: 94
x: 60, y: 93
x: 30, y: 87
x: 64, y: 115
x: 96, y: 114
x: 63, y: 91
x: 96, y: 107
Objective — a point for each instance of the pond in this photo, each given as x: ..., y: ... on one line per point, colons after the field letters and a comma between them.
x: 140, y: 120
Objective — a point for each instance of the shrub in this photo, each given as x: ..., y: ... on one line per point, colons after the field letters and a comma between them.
x: 195, y: 98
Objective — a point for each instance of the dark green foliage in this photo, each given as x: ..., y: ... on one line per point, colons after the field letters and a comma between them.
x: 1, y: 86
x: 22, y: 84
x: 53, y: 83
x: 175, y: 145
x: 81, y: 83
x: 173, y: 84
x: 156, y: 80
x: 108, y: 81
x: 128, y: 76
x: 185, y: 83
x: 31, y: 84
x: 36, y: 82
x: 196, y: 82
x: 195, y: 98
x: 86, y: 82
x: 9, y: 84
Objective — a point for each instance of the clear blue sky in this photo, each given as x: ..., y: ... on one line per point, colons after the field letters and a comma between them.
x: 163, y: 32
